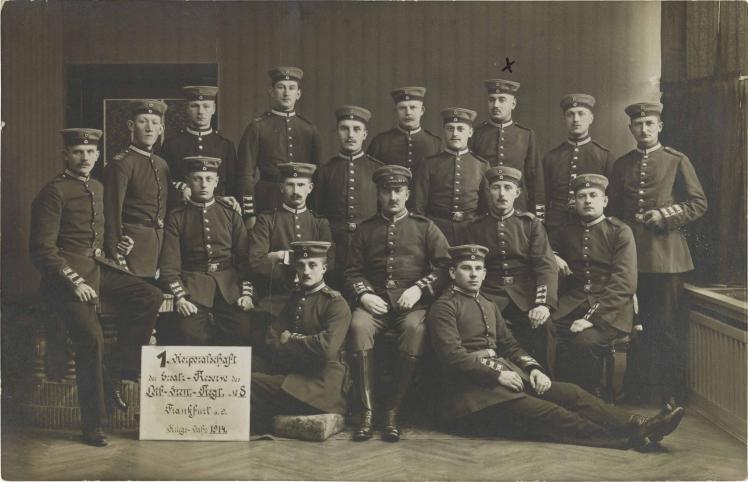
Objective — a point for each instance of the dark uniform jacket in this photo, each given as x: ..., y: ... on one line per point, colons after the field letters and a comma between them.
x: 389, y: 256
x: 275, y: 231
x: 404, y: 148
x: 135, y: 201
x: 313, y: 357
x: 190, y: 142
x: 449, y: 184
x: 660, y: 178
x: 67, y: 233
x: 462, y: 327
x: 602, y: 258
x: 271, y: 139
x: 520, y: 263
x: 205, y: 248
x: 561, y: 166
x: 512, y: 144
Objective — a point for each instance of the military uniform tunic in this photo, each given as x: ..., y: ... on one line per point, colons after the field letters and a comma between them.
x: 135, y: 202
x: 271, y: 139
x: 512, y: 144
x: 561, y: 166
x: 449, y: 188
x: 404, y: 148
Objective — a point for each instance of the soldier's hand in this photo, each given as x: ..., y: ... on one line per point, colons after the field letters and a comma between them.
x: 284, y: 337
x: 85, y: 293
x: 538, y: 315
x: 511, y: 380
x: 125, y: 245
x: 249, y: 223
x: 409, y: 298
x: 231, y: 202
x: 277, y: 256
x: 580, y: 325
x: 563, y: 266
x: 186, y: 194
x: 245, y: 303
x: 539, y: 381
x: 186, y: 307
x: 374, y: 304
x: 654, y: 218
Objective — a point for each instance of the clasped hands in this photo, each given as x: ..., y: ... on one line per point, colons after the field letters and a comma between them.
x: 375, y: 305
x: 187, y: 308
x: 539, y: 381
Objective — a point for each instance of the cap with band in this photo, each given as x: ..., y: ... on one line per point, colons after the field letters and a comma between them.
x: 285, y: 73
x: 643, y: 109
x: 408, y: 93
x: 577, y: 100
x: 79, y: 136
x: 458, y: 114
x: 590, y: 180
x: 200, y: 92
x: 503, y: 173
x: 202, y: 164
x: 392, y: 175
x: 352, y: 112
x: 472, y: 252
x: 147, y: 106
x: 501, y: 86
x: 310, y: 249
x: 296, y: 169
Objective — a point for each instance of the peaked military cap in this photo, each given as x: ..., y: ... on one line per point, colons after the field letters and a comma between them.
x: 147, y: 106
x: 79, y: 135
x: 285, y: 73
x: 472, y: 252
x: 501, y: 86
x: 202, y: 163
x: 643, y: 109
x: 392, y: 174
x: 590, y: 180
x: 503, y: 173
x: 200, y: 92
x: 296, y: 169
x: 408, y: 93
x: 352, y: 112
x: 310, y: 249
x: 458, y: 114
x: 577, y: 100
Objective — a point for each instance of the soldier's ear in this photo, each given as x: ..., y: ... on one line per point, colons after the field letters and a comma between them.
x: 660, y: 125
x: 605, y: 201
x: 324, y: 267
x: 366, y: 133
x: 452, y: 272
x: 131, y: 124
x: 470, y: 131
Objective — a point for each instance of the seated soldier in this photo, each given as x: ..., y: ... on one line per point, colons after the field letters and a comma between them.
x: 596, y: 307
x: 275, y: 230
x: 66, y: 246
x: 204, y: 263
x: 300, y: 370
x: 489, y: 381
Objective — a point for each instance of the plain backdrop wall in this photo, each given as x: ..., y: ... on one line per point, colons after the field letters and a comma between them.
x: 351, y: 53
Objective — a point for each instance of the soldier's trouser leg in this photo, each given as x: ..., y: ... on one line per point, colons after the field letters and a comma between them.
x: 84, y: 328
x: 196, y: 329
x: 137, y: 303
x: 538, y: 342
x: 267, y: 400
x: 364, y: 327
x: 232, y: 325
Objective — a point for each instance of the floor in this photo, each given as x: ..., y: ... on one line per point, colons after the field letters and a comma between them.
x: 696, y: 451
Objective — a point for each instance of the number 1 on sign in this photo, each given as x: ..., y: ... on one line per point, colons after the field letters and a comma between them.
x: 162, y: 356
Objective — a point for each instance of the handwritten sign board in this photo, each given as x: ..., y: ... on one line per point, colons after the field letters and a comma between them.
x: 195, y: 393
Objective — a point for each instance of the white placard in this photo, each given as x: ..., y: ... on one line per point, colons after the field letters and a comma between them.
x: 195, y: 392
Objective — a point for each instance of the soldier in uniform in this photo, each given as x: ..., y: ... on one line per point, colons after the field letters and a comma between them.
x: 449, y: 187
x: 597, y: 303
x: 656, y: 192
x: 489, y: 381
x: 200, y: 139
x: 504, y: 142
x: 344, y: 191
x: 578, y: 154
x: 204, y: 264
x: 302, y: 369
x: 135, y: 199
x: 397, y: 262
x: 66, y: 246
x: 522, y: 273
x: 271, y: 238
x: 408, y: 143
x: 276, y: 137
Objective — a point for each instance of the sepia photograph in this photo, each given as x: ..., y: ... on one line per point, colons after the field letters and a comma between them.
x: 373, y: 240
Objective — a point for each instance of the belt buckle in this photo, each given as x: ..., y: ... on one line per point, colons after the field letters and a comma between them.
x: 97, y: 252
x: 160, y: 222
x: 391, y: 284
x: 351, y: 227
x: 458, y: 216
x: 507, y: 280
x: 587, y: 288
x: 213, y: 267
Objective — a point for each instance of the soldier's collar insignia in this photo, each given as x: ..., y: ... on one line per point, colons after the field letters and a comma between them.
x: 283, y: 114
x: 77, y: 176
x: 456, y: 153
x: 140, y: 151
x: 410, y: 133
x: 351, y: 157
x: 204, y: 205
x: 594, y: 222
x: 501, y: 126
x: 465, y: 292
x: 198, y: 132
x: 577, y: 143
x: 293, y: 210
x: 651, y: 149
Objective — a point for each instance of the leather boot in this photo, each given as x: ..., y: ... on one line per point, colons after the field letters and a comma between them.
x: 391, y: 431
x: 654, y: 428
x: 363, y: 370
x: 113, y: 394
x: 95, y: 437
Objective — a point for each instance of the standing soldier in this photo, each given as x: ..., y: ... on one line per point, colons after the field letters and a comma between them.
x: 522, y: 273
x: 270, y: 240
x: 67, y: 223
x: 345, y: 193
x: 504, y: 142
x: 200, y: 139
x: 597, y: 304
x: 449, y: 187
x: 276, y: 137
x: 408, y: 143
x: 578, y: 154
x: 656, y: 192
x: 397, y: 260
x: 135, y: 199
x: 204, y: 263
x: 304, y: 372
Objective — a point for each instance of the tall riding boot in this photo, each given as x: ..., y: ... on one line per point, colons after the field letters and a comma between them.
x: 363, y: 369
x: 391, y: 431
